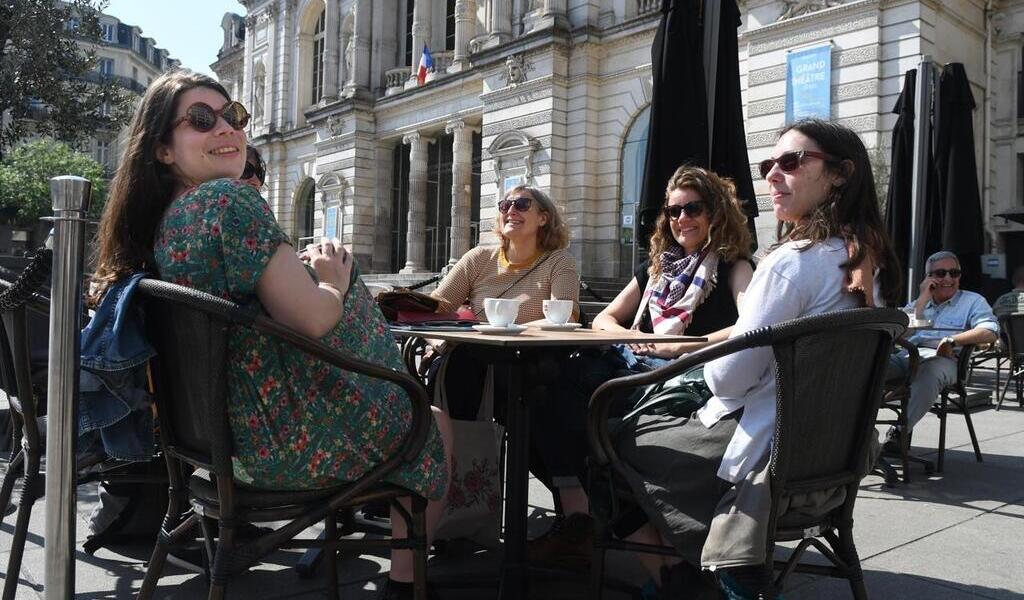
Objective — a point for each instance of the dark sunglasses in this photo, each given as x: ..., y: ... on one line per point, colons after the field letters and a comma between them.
x: 202, y: 117
x: 692, y: 210
x: 522, y: 204
x: 940, y: 273
x: 791, y: 161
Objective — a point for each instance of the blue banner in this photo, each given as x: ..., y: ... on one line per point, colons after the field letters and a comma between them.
x: 808, y: 83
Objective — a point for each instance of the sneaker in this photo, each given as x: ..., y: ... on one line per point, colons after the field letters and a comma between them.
x: 892, y: 441
x: 570, y: 540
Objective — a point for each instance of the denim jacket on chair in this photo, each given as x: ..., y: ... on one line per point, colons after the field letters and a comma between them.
x: 113, y: 393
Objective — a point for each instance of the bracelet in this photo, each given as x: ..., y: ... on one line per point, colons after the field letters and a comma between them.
x: 331, y: 286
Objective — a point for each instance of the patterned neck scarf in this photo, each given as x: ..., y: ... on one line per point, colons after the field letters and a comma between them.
x: 683, y: 284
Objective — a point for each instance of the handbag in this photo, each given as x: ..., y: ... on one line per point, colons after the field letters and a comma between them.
x: 405, y: 300
x: 474, y: 508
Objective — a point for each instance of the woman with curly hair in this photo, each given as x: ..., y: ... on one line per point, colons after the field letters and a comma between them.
x: 699, y: 259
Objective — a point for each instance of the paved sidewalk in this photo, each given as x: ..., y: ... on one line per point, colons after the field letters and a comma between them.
x: 952, y: 535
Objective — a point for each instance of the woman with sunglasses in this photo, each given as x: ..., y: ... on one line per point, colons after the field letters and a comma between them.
x: 531, y: 263
x: 687, y: 471
x: 698, y: 268
x: 176, y: 207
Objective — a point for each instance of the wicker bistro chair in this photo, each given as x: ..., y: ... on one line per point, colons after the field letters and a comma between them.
x: 16, y: 302
x: 953, y: 398
x: 829, y: 374
x: 1012, y: 327
x: 190, y: 336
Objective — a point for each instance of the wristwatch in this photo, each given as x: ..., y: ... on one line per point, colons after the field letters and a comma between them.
x: 949, y: 340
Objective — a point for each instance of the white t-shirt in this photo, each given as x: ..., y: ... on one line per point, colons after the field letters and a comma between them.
x: 787, y: 284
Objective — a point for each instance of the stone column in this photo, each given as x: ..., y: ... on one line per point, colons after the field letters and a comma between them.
x: 462, y: 177
x: 332, y: 31
x: 465, y: 30
x: 501, y: 18
x: 420, y: 35
x: 415, y: 240
x: 248, y: 72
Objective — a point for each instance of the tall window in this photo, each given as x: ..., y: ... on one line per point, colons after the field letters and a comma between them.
x: 318, y: 58
x: 106, y: 66
x: 306, y: 214
x: 1020, y: 86
x: 633, y: 154
x: 109, y: 32
x: 449, y: 26
x: 103, y: 153
x: 410, y: 6
x: 399, y: 204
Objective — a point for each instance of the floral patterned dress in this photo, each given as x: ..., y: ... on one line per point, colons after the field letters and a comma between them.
x: 297, y: 423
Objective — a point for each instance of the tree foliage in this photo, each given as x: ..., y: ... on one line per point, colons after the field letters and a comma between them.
x: 48, y: 86
x: 25, y: 174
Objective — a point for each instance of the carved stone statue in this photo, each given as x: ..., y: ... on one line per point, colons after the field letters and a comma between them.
x: 259, y: 91
x: 796, y: 8
x: 350, y: 55
x: 516, y: 67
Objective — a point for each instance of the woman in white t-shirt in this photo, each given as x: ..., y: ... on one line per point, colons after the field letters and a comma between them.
x: 831, y: 242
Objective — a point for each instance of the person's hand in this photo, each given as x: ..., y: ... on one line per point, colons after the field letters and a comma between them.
x: 656, y: 350
x: 926, y: 289
x: 331, y: 262
x: 945, y: 349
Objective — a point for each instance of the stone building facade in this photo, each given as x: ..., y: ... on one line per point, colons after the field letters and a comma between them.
x: 556, y: 93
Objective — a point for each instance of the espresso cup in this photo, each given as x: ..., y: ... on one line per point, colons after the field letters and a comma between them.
x: 501, y: 312
x: 557, y: 312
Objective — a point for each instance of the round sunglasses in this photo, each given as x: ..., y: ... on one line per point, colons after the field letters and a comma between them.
x: 692, y: 209
x: 202, y: 117
x: 791, y: 161
x: 521, y: 203
x: 940, y: 273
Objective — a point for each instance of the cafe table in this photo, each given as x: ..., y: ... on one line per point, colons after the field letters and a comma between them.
x: 520, y: 353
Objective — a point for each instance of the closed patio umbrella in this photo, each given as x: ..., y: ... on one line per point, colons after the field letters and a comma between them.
x: 899, y: 200
x: 679, y: 130
x: 957, y: 175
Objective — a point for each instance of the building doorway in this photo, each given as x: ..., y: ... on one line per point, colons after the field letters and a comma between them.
x: 632, y: 168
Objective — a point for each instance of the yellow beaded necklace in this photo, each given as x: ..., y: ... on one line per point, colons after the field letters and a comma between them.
x: 505, y: 263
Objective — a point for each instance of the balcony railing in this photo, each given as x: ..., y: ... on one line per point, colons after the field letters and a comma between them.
x: 394, y: 80
x: 647, y: 6
x: 125, y: 82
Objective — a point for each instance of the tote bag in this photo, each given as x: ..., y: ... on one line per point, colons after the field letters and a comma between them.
x: 475, y: 494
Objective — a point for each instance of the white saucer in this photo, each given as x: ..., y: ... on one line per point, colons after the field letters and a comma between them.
x: 497, y: 330
x: 562, y: 327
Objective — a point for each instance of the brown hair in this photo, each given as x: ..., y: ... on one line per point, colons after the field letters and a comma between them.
x: 850, y: 211
x: 727, y: 235
x: 143, y: 186
x: 553, y: 235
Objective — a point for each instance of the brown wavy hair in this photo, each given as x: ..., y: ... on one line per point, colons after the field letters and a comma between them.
x: 728, y: 235
x: 553, y: 235
x: 142, y: 187
x: 850, y: 211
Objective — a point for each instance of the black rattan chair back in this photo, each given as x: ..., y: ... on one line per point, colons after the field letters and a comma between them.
x: 190, y: 330
x: 1012, y: 332
x: 16, y: 300
x: 829, y: 374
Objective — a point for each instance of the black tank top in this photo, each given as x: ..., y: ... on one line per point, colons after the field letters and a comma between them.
x: 718, y: 310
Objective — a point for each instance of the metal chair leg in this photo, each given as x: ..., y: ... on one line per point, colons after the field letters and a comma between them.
x: 331, y: 557
x: 970, y: 428
x: 418, y: 531
x: 29, y: 495
x: 14, y: 470
x: 943, y: 409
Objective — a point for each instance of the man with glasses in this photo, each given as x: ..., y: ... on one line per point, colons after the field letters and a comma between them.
x: 959, y: 318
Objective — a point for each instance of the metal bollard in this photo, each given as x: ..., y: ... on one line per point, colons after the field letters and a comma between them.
x: 70, y: 196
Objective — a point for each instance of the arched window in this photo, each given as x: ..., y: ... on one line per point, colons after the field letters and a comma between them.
x: 305, y: 213
x: 633, y: 154
x: 318, y: 57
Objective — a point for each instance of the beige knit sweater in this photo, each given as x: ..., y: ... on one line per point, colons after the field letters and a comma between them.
x: 478, y: 275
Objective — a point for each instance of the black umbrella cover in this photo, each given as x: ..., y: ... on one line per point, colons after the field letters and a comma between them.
x: 899, y: 198
x: 957, y: 174
x: 678, y: 131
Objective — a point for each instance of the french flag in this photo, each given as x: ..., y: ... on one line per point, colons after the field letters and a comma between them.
x: 426, y: 64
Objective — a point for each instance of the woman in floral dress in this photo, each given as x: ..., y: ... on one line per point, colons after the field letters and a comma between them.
x: 176, y: 207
